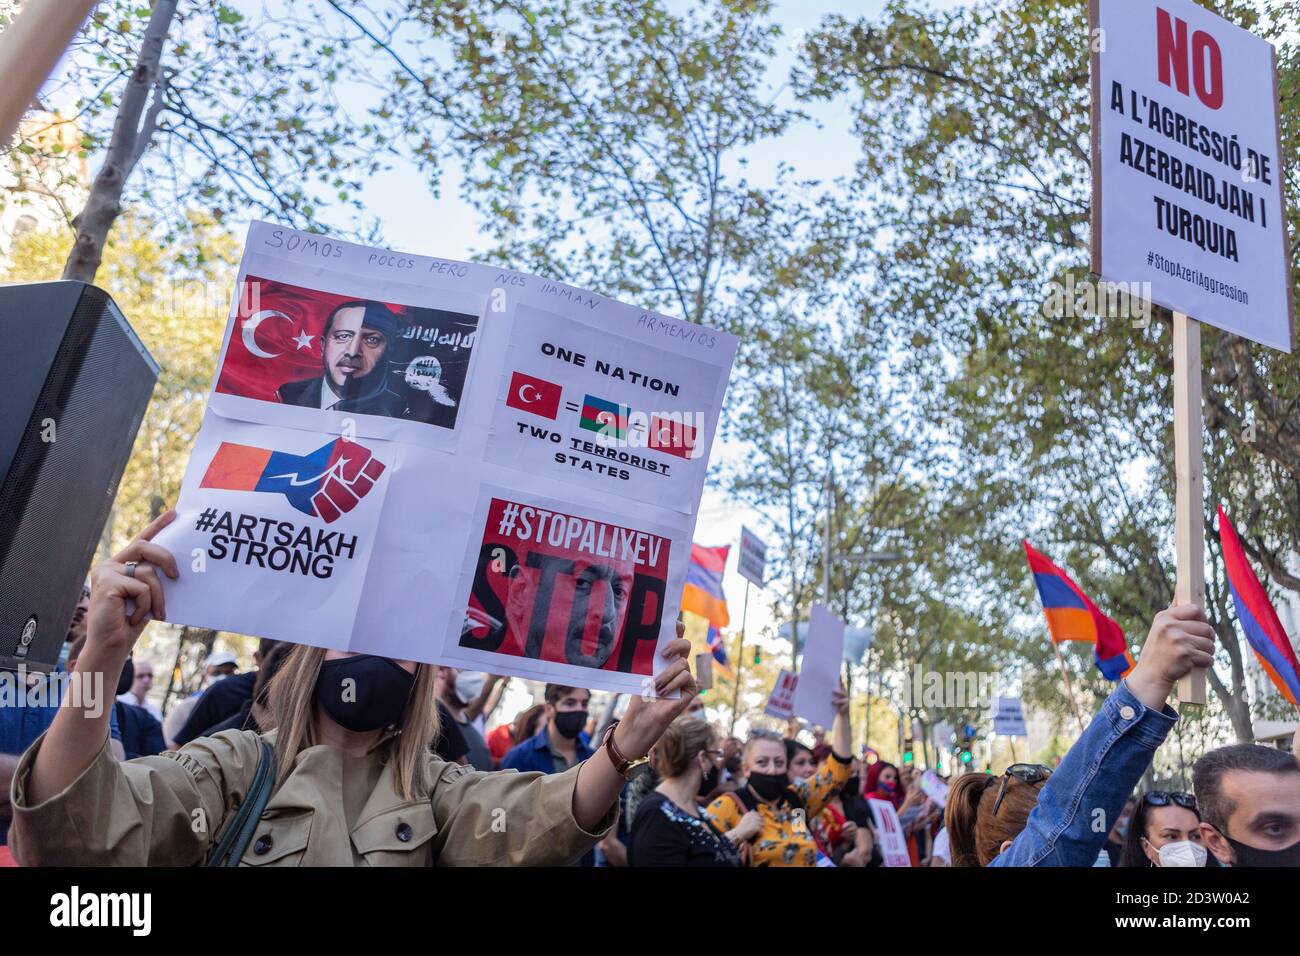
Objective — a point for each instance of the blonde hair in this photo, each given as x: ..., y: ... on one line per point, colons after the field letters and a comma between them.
x: 293, y: 707
x: 682, y: 740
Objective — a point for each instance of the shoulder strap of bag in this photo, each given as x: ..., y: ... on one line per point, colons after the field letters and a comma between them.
x: 232, y: 846
x: 745, y: 848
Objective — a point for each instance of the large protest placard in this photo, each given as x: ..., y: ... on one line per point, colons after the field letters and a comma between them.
x: 1187, y: 170
x: 446, y: 462
x: 889, y: 830
x: 819, y: 672
x: 1188, y: 209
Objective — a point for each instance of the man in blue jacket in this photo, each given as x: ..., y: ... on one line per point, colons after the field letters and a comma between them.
x: 561, y: 743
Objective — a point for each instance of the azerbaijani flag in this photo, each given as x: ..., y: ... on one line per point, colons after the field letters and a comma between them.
x: 1258, y: 619
x: 1071, y: 616
x: 703, y: 593
x: 608, y: 418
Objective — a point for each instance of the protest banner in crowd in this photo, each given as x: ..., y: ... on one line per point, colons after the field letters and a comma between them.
x: 819, y: 672
x: 935, y: 787
x: 889, y: 829
x: 752, y: 562
x: 457, y: 463
x: 780, y: 703
x: 1008, y: 717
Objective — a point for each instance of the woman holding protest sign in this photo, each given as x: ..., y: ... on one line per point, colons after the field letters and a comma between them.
x: 346, y: 778
x: 777, y: 832
x: 1033, y: 816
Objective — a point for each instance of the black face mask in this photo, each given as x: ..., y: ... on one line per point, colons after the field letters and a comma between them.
x: 570, y: 723
x: 733, y: 766
x: 708, y: 782
x: 1254, y: 856
x: 127, y: 679
x: 850, y: 787
x: 374, y: 697
x: 768, y: 786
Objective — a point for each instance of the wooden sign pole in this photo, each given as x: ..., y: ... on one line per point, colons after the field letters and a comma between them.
x: 1189, y: 499
x: 740, y: 662
x: 1069, y: 691
x: 29, y: 49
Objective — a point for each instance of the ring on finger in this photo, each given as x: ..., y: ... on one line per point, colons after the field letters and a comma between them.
x: 130, y: 568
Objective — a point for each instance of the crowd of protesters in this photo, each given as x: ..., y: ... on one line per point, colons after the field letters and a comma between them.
x: 357, y: 759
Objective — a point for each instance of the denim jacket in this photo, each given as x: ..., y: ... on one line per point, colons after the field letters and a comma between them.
x: 1097, y: 774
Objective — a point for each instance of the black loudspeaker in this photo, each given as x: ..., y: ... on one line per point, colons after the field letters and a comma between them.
x: 75, y: 387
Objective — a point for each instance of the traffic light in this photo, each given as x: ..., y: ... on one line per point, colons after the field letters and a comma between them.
x: 963, y: 749
x: 758, y: 657
x: 909, y: 755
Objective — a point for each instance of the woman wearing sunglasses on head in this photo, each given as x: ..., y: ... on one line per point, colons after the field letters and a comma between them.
x: 1032, y: 816
x: 1164, y: 830
x: 347, y: 777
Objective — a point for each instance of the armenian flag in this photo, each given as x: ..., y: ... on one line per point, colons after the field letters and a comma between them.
x: 1257, y: 617
x: 1071, y: 616
x: 703, y: 593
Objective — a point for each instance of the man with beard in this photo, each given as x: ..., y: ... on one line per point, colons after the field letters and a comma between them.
x: 590, y: 599
x: 356, y: 346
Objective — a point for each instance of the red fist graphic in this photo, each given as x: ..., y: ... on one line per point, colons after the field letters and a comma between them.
x: 352, y: 474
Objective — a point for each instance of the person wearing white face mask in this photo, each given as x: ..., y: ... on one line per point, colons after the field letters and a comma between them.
x: 1164, y: 830
x: 456, y: 690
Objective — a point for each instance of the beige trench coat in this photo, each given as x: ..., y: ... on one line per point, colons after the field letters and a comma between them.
x: 169, y: 810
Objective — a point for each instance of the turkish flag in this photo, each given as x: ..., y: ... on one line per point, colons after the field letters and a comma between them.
x: 534, y: 395
x: 674, y: 437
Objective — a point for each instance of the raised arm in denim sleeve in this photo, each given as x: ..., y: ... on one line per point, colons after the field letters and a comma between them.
x: 1083, y: 798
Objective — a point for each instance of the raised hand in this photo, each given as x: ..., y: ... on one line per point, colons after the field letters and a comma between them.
x: 647, y: 718
x: 130, y: 575
x: 1180, y: 639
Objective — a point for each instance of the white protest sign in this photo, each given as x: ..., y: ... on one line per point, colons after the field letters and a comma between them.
x: 781, y: 701
x: 1187, y: 171
x: 391, y: 462
x: 1008, y: 717
x: 819, y: 672
x: 935, y: 787
x: 893, y: 844
x: 752, y: 560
